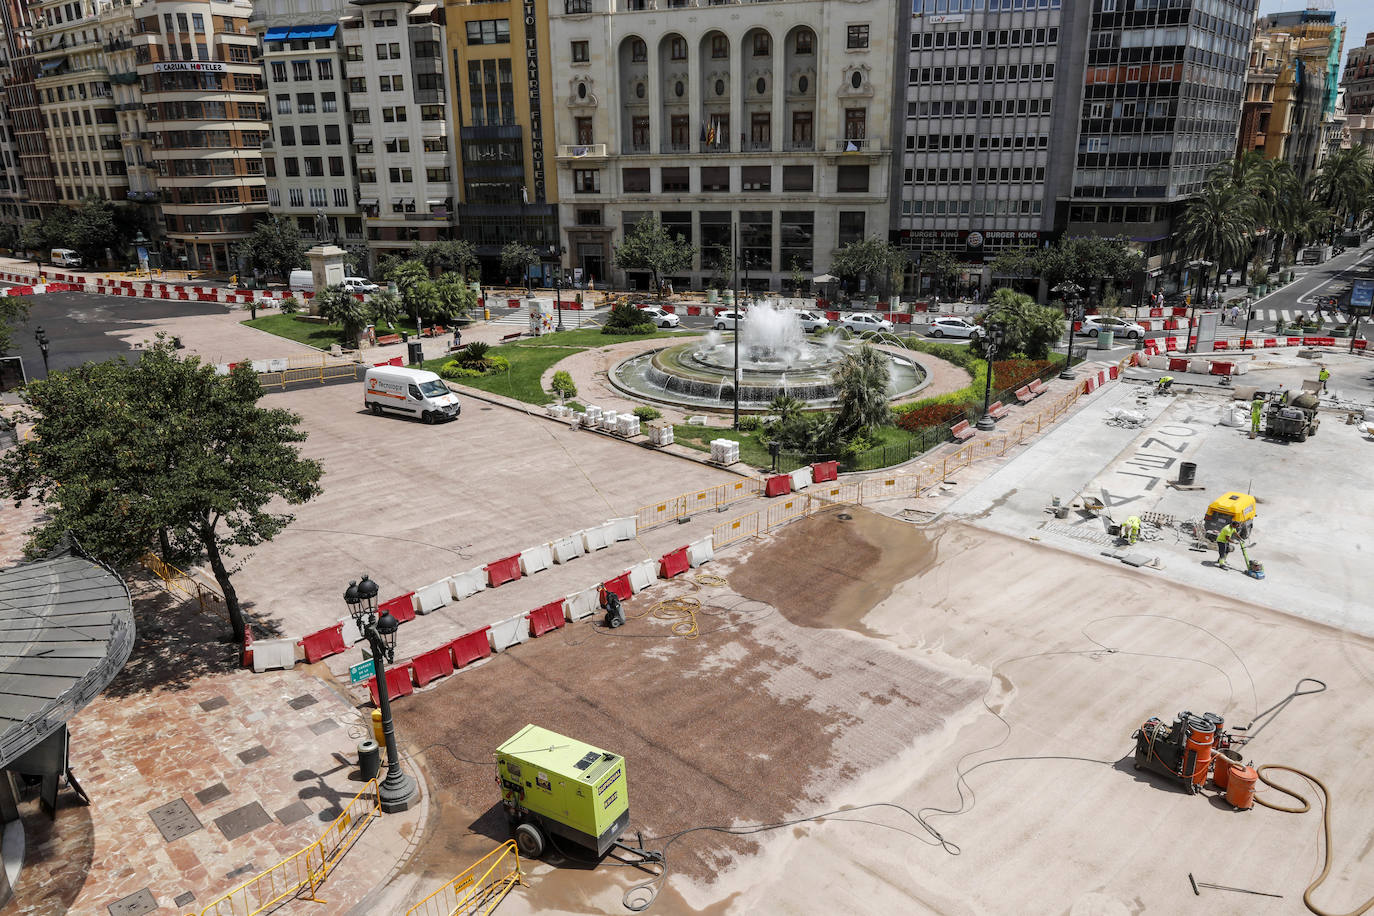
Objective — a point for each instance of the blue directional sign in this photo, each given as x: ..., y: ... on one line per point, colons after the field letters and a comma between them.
x: 1362, y: 296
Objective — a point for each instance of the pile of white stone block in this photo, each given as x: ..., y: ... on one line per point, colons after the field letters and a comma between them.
x: 724, y: 451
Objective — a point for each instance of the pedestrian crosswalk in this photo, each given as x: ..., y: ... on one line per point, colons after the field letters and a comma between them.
x: 520, y: 317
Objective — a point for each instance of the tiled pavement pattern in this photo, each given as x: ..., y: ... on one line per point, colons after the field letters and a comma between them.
x: 239, y: 771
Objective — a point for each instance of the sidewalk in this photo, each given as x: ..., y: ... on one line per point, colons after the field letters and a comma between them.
x: 256, y: 766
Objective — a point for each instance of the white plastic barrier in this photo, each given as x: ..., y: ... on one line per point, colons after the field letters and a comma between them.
x: 801, y: 478
x: 643, y: 574
x: 274, y: 653
x: 509, y: 632
x: 582, y: 604
x: 1200, y: 366
x: 433, y: 597
x: 1240, y: 367
x: 351, y: 633
x: 467, y: 584
x: 622, y: 529
x: 536, y: 559
x: 702, y: 551
x: 594, y: 539
x: 1159, y: 362
x: 568, y: 548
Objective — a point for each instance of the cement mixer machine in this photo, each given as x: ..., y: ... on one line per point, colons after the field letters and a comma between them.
x: 1182, y: 751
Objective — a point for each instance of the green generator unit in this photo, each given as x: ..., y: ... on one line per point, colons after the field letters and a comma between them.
x: 554, y: 786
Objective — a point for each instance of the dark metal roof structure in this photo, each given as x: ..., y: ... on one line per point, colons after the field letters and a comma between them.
x: 66, y: 628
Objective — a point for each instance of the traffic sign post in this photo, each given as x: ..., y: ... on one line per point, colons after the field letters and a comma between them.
x: 360, y: 672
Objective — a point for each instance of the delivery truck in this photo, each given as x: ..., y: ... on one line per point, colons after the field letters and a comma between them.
x: 413, y: 392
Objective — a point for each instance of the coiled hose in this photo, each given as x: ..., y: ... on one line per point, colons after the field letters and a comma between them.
x: 1326, y: 831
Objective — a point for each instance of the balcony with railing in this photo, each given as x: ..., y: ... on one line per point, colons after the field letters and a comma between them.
x: 867, y: 146
x: 669, y: 147
x: 584, y: 151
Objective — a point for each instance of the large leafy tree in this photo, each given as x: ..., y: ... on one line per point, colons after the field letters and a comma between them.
x: 648, y: 246
x: 342, y: 307
x: 94, y: 228
x: 386, y: 307
x: 942, y: 268
x: 122, y: 451
x: 516, y: 260
x: 878, y: 261
x: 454, y: 297
x: 13, y: 310
x: 1029, y: 329
x: 861, y: 380
x: 1088, y: 261
x: 455, y: 256
x: 412, y: 282
x: 275, y: 248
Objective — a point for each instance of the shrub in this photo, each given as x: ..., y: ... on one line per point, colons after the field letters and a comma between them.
x: 474, y: 355
x: 290, y: 305
x: 495, y: 364
x: 623, y: 319
x: 563, y: 385
x: 647, y: 413
x: 451, y: 370
x: 749, y: 424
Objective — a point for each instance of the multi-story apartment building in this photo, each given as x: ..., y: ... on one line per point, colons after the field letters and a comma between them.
x: 773, y: 116
x: 118, y: 31
x: 22, y: 108
x: 73, y: 86
x: 1162, y: 90
x: 991, y: 101
x: 13, y: 43
x: 398, y: 109
x: 1291, y: 88
x: 503, y: 109
x: 1358, y: 79
x: 1267, y: 53
x: 309, y: 161
x: 202, y: 88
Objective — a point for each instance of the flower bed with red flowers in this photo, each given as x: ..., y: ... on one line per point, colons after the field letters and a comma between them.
x: 929, y: 415
x: 1013, y: 373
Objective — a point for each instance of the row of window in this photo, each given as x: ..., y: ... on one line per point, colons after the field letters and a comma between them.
x: 77, y: 92
x: 803, y: 43
x: 1000, y: 73
x: 760, y: 129
x: 319, y: 197
x: 305, y: 102
x: 982, y: 175
x: 930, y: 7
x: 933, y: 142
x: 207, y: 111
x: 106, y: 142
x: 959, y: 107
x: 403, y: 175
x: 313, y: 166
x: 212, y: 224
x: 849, y: 179
x: 402, y: 145
x: 300, y: 70
x: 310, y: 135
x: 78, y: 118
x: 389, y: 50
x: 992, y: 38
x: 397, y: 114
x: 1117, y: 214
x: 982, y: 207
x: 88, y: 169
x: 207, y: 139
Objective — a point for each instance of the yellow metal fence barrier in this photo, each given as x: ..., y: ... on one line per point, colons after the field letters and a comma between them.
x: 179, y: 583
x: 470, y: 892
x: 887, y: 486
x: 307, y: 868
x: 688, y: 504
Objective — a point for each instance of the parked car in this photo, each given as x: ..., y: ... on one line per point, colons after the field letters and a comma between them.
x: 1094, y: 324
x: 359, y: 285
x: 660, y: 317
x: 726, y: 320
x: 812, y: 322
x: 859, y: 322
x: 953, y: 326
x: 64, y: 257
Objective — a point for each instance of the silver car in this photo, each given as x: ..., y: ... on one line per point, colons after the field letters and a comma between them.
x: 951, y: 326
x: 660, y: 317
x: 859, y: 322
x: 1094, y: 324
x: 812, y: 322
x: 726, y: 320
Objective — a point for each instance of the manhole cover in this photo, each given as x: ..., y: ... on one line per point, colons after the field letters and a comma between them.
x: 214, y: 703
x: 214, y: 793
x: 302, y: 701
x: 136, y: 904
x: 293, y: 812
x: 253, y: 754
x: 322, y: 726
x: 845, y: 517
x: 183, y: 899
x: 174, y: 820
x: 242, y: 820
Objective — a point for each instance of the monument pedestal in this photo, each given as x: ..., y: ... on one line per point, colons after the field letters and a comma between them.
x: 326, y: 268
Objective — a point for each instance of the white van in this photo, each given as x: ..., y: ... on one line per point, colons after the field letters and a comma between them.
x: 64, y: 257
x: 302, y: 280
x: 409, y: 391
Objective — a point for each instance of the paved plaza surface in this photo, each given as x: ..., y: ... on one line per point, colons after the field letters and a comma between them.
x: 961, y: 671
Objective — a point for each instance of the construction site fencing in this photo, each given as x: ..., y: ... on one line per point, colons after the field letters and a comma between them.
x: 180, y: 583
x: 321, y: 372
x: 712, y: 499
x: 306, y: 869
x: 477, y: 889
x: 891, y: 486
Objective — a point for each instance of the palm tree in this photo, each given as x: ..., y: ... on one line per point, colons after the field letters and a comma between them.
x: 1344, y: 181
x: 1214, y: 225
x: 861, y: 379
x: 1271, y: 184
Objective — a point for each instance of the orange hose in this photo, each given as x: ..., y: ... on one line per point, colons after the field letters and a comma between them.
x: 1326, y: 830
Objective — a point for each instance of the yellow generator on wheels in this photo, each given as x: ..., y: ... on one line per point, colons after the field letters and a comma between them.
x: 1236, y: 509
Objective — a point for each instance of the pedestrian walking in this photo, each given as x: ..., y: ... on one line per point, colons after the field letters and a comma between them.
x: 1224, y: 544
x: 1323, y: 375
x: 1256, y: 414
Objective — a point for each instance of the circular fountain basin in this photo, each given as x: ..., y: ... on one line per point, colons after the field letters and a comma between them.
x: 700, y: 373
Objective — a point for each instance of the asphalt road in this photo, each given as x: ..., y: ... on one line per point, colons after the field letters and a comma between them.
x: 85, y: 328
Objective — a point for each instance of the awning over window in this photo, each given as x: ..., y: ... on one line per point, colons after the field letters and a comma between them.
x: 302, y: 32
x: 367, y: 202
x: 50, y: 65
x: 275, y: 35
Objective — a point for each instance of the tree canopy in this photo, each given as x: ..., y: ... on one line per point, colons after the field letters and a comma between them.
x: 340, y: 306
x: 450, y: 256
x: 13, y: 310
x: 648, y: 246
x: 861, y: 380
x: 517, y: 258
x: 125, y: 452
x: 1029, y: 330
x: 275, y: 248
x: 873, y: 259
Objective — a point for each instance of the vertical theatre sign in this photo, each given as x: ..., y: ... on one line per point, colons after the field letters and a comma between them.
x: 536, y: 99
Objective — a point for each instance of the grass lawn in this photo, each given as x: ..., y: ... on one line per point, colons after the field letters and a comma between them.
x: 529, y: 359
x: 313, y: 333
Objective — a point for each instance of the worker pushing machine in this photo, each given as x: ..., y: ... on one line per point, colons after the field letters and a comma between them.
x: 1224, y: 537
x: 1131, y: 529
x: 1256, y: 414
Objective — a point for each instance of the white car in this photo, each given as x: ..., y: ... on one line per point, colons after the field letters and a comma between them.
x: 812, y: 322
x: 659, y: 317
x: 726, y: 320
x: 952, y: 326
x: 359, y: 285
x: 1118, y: 326
x: 859, y: 322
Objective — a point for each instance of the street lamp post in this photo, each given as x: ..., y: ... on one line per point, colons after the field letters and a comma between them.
x: 1203, y: 267
x: 994, y: 341
x: 1244, y: 337
x: 1069, y: 290
x: 737, y: 324
x: 398, y: 792
x: 558, y: 283
x: 41, y: 336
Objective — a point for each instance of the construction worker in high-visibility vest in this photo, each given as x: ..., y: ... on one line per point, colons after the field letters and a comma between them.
x: 1224, y: 544
x: 1323, y: 375
x: 1131, y: 529
x: 1256, y: 414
